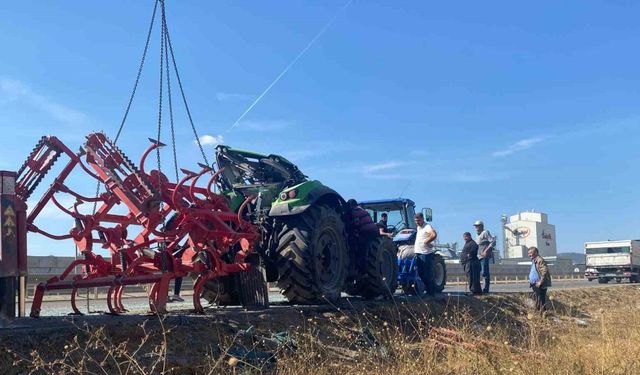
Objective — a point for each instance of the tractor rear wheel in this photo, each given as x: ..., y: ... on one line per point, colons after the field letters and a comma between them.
x: 379, y: 276
x: 439, y: 273
x: 417, y: 287
x: 312, y: 256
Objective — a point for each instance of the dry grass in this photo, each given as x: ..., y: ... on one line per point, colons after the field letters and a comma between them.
x: 585, y: 332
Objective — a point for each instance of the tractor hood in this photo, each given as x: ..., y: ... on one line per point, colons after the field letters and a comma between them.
x: 405, y: 235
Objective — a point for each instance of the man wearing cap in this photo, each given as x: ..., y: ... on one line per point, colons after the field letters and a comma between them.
x: 486, y: 243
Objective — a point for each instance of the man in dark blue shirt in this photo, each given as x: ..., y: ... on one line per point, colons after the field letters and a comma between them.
x: 471, y: 263
x: 383, y: 226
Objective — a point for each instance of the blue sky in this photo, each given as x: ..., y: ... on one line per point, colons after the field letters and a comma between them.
x: 472, y: 108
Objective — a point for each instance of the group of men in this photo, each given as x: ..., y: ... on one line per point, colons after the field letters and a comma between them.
x: 476, y: 255
x: 475, y: 258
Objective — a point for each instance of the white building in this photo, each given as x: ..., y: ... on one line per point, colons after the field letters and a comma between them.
x: 528, y: 229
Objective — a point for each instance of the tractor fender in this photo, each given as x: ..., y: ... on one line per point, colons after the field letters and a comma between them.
x: 319, y: 194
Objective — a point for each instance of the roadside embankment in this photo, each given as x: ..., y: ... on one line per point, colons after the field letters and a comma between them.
x: 585, y: 331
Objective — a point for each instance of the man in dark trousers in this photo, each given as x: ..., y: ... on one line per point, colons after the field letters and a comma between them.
x: 471, y: 263
x: 486, y: 243
x: 425, y: 253
x: 539, y: 278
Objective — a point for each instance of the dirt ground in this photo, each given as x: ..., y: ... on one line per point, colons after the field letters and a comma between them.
x: 272, y: 341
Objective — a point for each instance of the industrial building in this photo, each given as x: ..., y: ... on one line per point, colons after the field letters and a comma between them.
x: 528, y: 229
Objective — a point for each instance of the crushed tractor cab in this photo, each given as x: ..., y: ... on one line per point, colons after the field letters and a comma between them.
x: 307, y: 242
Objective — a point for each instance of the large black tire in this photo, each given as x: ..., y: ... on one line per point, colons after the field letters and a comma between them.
x: 246, y: 288
x: 220, y: 291
x: 253, y: 289
x: 379, y: 276
x: 313, y: 256
x: 416, y: 287
x: 439, y: 273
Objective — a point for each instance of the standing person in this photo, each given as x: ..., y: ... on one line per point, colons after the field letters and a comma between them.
x: 486, y: 243
x: 539, y: 278
x: 176, y: 290
x: 362, y: 227
x: 383, y: 226
x: 425, y: 253
x: 471, y: 263
x: 361, y: 221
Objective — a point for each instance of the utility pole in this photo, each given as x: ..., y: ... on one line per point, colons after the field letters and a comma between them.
x: 505, y: 242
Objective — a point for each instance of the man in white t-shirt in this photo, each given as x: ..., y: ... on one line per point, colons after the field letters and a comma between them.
x: 425, y: 253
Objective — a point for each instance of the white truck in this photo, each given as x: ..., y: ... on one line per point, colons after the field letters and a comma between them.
x: 608, y: 260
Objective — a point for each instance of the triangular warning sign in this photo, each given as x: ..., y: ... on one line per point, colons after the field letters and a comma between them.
x: 9, y: 222
x: 9, y: 211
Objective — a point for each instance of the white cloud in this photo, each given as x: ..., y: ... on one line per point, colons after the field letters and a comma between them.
x: 16, y: 90
x: 521, y: 145
x: 51, y: 211
x: 320, y: 149
x: 229, y: 96
x: 264, y: 125
x: 468, y: 177
x: 390, y: 170
x: 383, y: 166
x: 210, y: 140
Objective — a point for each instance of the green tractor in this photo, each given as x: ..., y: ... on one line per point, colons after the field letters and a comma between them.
x: 308, y: 244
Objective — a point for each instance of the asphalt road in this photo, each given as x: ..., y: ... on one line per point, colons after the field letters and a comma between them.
x: 139, y: 304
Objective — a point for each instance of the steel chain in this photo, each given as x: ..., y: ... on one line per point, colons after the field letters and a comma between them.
x: 184, y: 97
x: 133, y: 91
x: 173, y: 133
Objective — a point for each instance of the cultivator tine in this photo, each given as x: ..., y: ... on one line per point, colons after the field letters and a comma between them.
x: 198, y: 287
x: 110, y: 303
x: 36, y: 304
x: 187, y: 172
x: 157, y: 143
x: 118, y: 299
x: 74, y: 307
x: 159, y: 293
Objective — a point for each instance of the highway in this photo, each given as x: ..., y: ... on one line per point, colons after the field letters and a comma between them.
x: 138, y: 304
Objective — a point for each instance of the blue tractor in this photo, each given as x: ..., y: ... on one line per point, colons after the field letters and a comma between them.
x: 400, y: 223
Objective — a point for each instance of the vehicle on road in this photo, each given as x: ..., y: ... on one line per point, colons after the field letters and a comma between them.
x: 309, y: 246
x: 400, y: 213
x: 613, y: 260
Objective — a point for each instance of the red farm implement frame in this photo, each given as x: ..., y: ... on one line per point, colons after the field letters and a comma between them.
x: 171, y: 230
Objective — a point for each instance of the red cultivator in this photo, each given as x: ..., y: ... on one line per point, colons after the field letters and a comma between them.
x: 172, y: 229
